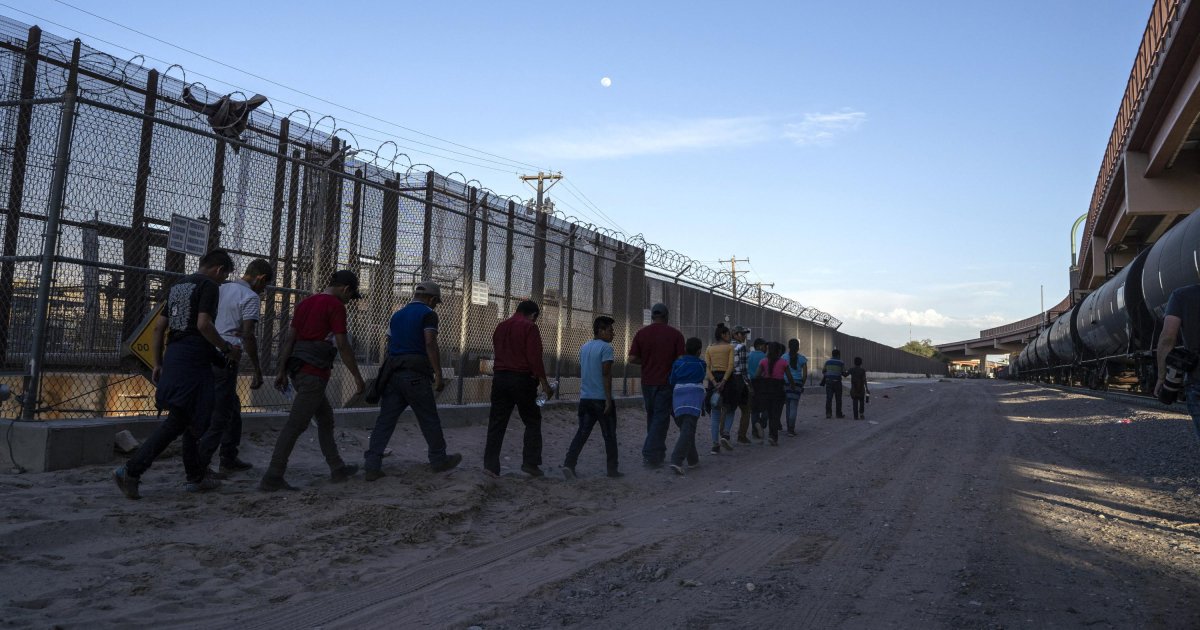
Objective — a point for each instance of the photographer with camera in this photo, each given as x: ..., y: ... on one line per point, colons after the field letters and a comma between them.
x: 1182, y: 318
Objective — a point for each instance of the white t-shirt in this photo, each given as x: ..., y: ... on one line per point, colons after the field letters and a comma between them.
x: 238, y: 303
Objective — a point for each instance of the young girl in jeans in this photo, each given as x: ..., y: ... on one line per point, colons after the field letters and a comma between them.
x: 719, y: 358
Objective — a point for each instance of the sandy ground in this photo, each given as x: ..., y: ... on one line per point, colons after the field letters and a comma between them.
x: 964, y: 504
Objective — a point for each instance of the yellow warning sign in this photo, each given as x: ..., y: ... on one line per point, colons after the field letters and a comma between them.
x: 140, y: 344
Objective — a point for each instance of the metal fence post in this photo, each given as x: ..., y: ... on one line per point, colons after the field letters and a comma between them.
x: 485, y: 231
x: 468, y: 284
x: 136, y: 247
x: 289, y: 248
x: 16, y: 186
x: 356, y: 221
x: 383, y: 283
x: 564, y: 295
x: 329, y: 210
x: 218, y: 190
x: 628, y: 318
x: 54, y: 205
x: 541, y: 224
x: 268, y: 321
x: 427, y: 237
x: 508, y: 258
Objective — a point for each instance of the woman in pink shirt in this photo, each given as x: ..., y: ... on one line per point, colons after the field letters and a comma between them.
x: 769, y: 382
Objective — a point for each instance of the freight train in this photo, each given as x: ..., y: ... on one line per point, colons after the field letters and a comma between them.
x: 1108, y: 339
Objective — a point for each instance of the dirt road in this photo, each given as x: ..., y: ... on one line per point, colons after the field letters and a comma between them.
x: 970, y: 504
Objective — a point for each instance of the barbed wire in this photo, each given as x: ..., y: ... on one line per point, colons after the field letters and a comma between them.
x: 105, y: 74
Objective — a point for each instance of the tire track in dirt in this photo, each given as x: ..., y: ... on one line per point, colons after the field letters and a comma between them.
x: 752, y: 548
x: 501, y: 571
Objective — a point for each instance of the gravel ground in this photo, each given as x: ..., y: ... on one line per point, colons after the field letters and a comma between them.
x: 957, y: 504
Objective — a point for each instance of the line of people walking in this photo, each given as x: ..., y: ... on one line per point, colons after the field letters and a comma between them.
x: 209, y: 324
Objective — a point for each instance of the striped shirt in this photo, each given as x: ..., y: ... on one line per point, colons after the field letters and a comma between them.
x: 740, y: 359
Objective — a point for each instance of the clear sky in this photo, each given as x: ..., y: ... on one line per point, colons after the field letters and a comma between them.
x: 901, y: 165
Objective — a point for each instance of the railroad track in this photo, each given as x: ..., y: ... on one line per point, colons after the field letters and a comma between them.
x: 1141, y: 400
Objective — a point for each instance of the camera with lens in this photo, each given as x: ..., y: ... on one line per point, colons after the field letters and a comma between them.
x: 1180, y: 361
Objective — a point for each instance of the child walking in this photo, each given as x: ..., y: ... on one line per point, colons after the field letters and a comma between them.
x: 858, y: 389
x: 687, y: 378
x: 596, y: 398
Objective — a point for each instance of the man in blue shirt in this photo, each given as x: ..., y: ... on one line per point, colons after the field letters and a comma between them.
x: 408, y: 378
x: 831, y: 377
x: 596, y: 398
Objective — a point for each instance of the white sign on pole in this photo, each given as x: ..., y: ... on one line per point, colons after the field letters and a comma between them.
x: 187, y: 236
x: 479, y: 293
x: 646, y: 318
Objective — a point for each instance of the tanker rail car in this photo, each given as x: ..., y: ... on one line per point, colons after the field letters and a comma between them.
x: 1107, y: 341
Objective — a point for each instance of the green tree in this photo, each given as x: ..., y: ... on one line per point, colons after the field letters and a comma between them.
x: 923, y: 348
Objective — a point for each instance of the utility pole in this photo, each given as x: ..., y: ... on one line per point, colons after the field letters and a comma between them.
x: 759, y: 286
x: 733, y: 272
x: 539, y: 237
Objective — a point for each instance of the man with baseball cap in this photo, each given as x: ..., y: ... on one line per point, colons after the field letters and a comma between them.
x: 307, y: 358
x: 655, y: 348
x: 410, y: 377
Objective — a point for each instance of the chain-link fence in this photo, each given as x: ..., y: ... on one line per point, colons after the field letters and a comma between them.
x: 100, y: 154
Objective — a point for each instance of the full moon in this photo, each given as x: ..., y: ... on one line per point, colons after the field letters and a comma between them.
x: 606, y: 82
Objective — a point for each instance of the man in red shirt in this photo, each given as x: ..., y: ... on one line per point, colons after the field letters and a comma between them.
x: 317, y: 337
x: 655, y: 348
x: 518, y: 369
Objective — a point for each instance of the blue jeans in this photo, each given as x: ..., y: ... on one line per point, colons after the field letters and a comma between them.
x: 793, y: 407
x: 591, y: 412
x: 719, y: 414
x: 658, y: 418
x: 1193, y: 404
x: 685, y: 445
x: 406, y: 389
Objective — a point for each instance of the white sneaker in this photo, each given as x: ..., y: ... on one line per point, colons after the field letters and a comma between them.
x: 678, y: 470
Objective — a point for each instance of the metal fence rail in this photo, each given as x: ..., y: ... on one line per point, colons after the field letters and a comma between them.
x: 100, y: 153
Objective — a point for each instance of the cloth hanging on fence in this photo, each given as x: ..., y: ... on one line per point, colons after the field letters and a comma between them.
x: 227, y: 117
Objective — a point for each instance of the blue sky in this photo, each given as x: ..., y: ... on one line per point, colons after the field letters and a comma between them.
x: 903, y: 166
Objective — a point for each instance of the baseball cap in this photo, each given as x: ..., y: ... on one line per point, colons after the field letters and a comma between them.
x: 737, y: 330
x: 660, y: 309
x: 346, y: 278
x: 429, y: 287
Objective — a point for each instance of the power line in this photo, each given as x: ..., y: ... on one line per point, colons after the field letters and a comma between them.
x: 571, y: 185
x: 756, y: 274
x: 586, y: 210
x: 506, y: 161
x: 583, y: 213
x: 286, y: 87
x: 417, y: 152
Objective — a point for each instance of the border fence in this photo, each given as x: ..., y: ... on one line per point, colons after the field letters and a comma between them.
x: 100, y: 154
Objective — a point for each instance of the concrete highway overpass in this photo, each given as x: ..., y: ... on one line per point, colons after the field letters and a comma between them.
x: 1149, y: 177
